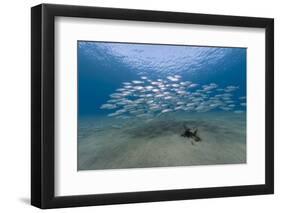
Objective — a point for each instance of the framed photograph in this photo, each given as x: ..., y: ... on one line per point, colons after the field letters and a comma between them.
x: 139, y: 106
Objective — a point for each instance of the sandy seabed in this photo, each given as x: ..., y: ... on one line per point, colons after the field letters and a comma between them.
x: 108, y: 143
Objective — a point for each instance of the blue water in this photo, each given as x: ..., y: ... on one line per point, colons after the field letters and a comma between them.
x: 103, y: 67
x: 136, y: 101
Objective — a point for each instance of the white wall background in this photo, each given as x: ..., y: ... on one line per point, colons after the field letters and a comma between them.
x: 15, y: 105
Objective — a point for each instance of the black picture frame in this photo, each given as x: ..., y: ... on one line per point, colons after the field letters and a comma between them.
x: 43, y: 102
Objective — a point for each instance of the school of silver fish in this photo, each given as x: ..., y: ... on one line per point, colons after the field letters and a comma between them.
x: 146, y: 98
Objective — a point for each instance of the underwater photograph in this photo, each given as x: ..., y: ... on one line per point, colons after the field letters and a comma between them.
x: 160, y: 105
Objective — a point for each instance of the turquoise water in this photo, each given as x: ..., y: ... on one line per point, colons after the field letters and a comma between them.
x: 146, y: 94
